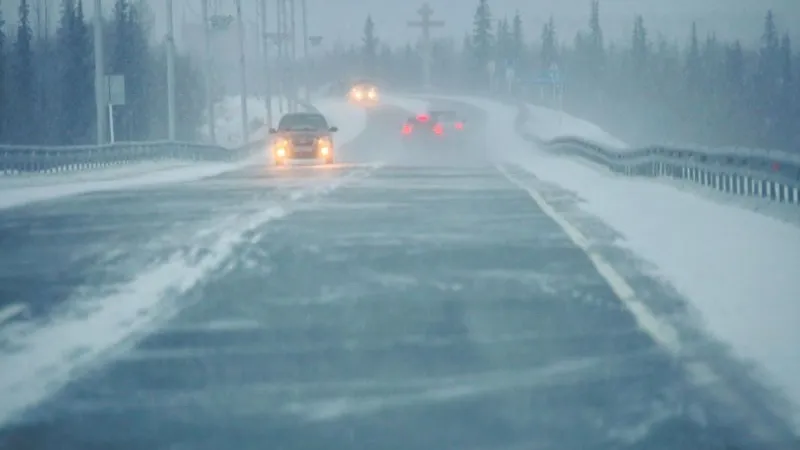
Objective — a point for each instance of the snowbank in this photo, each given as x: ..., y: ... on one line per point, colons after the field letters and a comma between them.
x: 737, y: 268
x: 548, y: 124
x: 20, y: 192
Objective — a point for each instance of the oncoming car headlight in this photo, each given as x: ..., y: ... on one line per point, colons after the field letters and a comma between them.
x: 324, y: 146
x: 358, y: 94
x: 280, y: 147
x: 372, y: 94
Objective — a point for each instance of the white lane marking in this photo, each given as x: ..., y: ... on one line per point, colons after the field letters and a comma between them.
x: 11, y: 311
x: 664, y: 334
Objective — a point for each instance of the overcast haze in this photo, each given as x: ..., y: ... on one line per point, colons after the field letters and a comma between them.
x: 343, y: 19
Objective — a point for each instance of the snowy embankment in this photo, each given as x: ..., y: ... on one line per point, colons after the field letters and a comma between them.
x: 547, y: 124
x: 735, y: 267
x: 24, y: 189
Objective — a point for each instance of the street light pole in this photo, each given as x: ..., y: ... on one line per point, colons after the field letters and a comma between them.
x: 170, y: 71
x: 212, y: 125
x: 243, y: 73
x: 279, y: 41
x: 99, y: 74
x: 306, y: 61
x: 267, y: 67
x: 293, y: 63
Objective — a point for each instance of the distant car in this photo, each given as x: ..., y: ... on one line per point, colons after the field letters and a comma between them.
x: 364, y: 93
x: 435, y: 128
x: 302, y: 135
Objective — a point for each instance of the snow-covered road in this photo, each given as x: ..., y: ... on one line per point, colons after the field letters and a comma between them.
x: 384, y: 302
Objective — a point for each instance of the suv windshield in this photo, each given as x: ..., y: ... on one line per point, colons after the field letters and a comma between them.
x: 303, y: 122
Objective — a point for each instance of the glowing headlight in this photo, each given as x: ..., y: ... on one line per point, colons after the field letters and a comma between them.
x: 324, y: 151
x: 358, y: 94
x: 281, y: 152
x: 372, y: 94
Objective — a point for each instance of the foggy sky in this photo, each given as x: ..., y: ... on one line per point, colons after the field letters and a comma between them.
x: 343, y: 20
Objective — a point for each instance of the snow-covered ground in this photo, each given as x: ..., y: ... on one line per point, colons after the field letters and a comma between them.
x: 23, y: 189
x: 737, y: 268
x: 548, y: 124
x: 544, y: 123
x: 16, y: 192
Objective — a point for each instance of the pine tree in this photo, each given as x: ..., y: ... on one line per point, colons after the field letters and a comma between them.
x: 595, y: 31
x: 67, y: 74
x: 517, y: 41
x: 24, y: 76
x: 370, y: 43
x: 595, y: 45
x: 130, y: 57
x: 502, y: 51
x: 84, y: 104
x: 639, y: 45
x: 549, y: 52
x: 482, y: 39
x: 694, y: 63
x: 769, y: 59
x: 786, y: 73
x: 734, y: 66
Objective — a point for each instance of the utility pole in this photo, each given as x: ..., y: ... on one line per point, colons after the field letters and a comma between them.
x: 293, y: 63
x: 99, y: 74
x: 280, y: 31
x: 425, y: 12
x: 212, y: 131
x: 243, y: 73
x: 265, y: 52
x: 306, y: 61
x: 170, y: 71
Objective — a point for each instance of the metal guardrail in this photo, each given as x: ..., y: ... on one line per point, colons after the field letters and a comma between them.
x: 25, y: 159
x: 764, y: 174
x: 57, y: 159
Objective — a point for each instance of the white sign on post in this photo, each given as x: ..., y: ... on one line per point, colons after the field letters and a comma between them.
x: 115, y: 95
x: 115, y: 89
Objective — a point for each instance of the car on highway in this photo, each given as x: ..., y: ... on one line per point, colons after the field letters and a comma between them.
x: 435, y: 128
x: 303, y: 136
x: 363, y: 93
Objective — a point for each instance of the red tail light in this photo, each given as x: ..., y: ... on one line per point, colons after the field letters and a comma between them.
x: 459, y: 126
x: 406, y: 129
x: 422, y: 118
x: 438, y: 129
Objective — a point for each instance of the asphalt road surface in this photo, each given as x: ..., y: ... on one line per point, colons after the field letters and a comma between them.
x: 407, y: 305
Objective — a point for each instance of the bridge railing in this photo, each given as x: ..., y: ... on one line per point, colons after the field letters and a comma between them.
x: 44, y: 159
x: 766, y: 174
x: 55, y: 159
